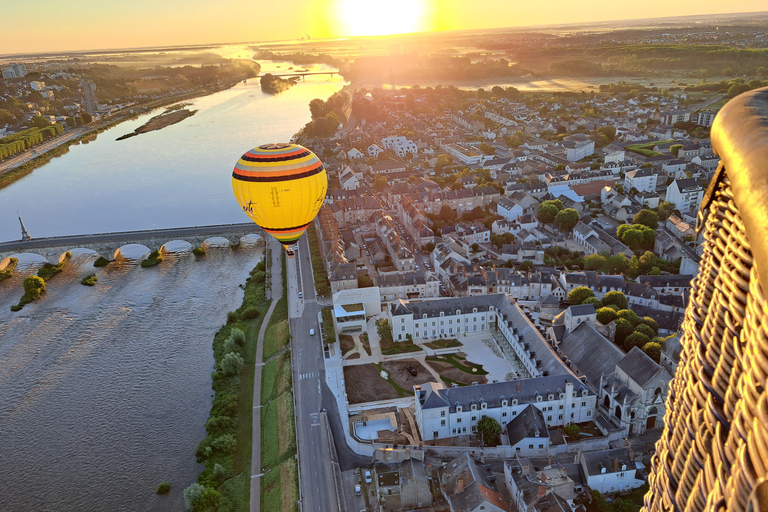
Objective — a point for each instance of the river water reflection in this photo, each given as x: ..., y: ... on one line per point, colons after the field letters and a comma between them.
x: 177, y: 176
x: 104, y: 390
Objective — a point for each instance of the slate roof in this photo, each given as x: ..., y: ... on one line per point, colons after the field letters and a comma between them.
x: 595, y: 461
x: 591, y: 352
x: 529, y: 423
x: 478, y: 488
x: 683, y: 281
x: 639, y: 367
x: 582, y: 309
x: 434, y: 396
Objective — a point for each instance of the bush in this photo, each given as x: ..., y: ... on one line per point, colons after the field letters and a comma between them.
x: 238, y: 336
x: 219, y: 425
x: 594, y: 301
x: 192, y: 495
x: 89, y: 280
x: 47, y: 271
x: 231, y: 364
x: 650, y: 322
x: 623, y: 329
x: 636, y: 339
x: 225, y: 444
x: 571, y: 430
x: 653, y: 350
x: 153, y: 259
x: 250, y: 313
x: 163, y: 488
x: 231, y: 317
x: 34, y: 288
x: 630, y: 315
x: 199, y: 251
x: 101, y: 262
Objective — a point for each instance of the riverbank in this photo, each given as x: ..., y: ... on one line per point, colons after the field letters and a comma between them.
x: 275, y: 85
x: 159, y: 122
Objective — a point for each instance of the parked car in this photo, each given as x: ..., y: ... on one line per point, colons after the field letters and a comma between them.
x: 311, y: 332
x: 301, y: 295
x: 367, y: 476
x: 358, y: 490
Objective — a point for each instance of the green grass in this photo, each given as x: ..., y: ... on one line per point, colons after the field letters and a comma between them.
x: 329, y: 333
x: 400, y: 391
x: 273, y: 500
x: 437, y: 344
x: 276, y: 335
x: 647, y: 148
x: 451, y: 358
x: 276, y: 377
x: 271, y: 426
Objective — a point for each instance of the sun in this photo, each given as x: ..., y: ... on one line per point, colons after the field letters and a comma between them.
x: 381, y: 17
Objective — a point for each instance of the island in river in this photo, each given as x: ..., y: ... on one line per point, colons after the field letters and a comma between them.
x: 274, y: 84
x: 161, y: 121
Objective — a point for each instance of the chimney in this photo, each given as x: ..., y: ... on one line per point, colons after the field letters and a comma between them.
x: 518, y: 386
x: 631, y: 454
x: 459, y: 486
x: 626, y: 441
x: 542, y: 491
x: 543, y: 477
x: 565, y: 471
x: 550, y: 460
x: 615, y: 465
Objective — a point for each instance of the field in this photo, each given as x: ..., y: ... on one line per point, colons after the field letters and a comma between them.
x: 364, y: 384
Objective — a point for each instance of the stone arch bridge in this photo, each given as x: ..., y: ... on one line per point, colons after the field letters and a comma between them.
x: 107, y: 244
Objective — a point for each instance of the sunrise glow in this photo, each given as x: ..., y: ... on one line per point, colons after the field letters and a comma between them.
x: 375, y: 18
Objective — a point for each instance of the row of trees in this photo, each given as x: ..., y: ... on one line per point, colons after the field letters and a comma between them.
x: 18, y: 142
x: 552, y: 212
x: 631, y: 330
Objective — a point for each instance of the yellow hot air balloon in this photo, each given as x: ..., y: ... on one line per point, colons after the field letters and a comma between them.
x: 281, y: 187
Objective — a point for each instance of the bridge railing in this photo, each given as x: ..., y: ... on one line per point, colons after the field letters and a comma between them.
x: 713, y: 452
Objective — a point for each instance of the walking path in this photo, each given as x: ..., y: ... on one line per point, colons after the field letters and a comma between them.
x: 275, y: 292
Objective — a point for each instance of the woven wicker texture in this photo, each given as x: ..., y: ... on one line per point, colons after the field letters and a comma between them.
x: 713, y: 451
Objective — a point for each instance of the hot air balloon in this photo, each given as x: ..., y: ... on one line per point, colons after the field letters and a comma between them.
x: 281, y: 187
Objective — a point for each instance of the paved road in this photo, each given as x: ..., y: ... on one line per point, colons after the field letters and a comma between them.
x: 126, y: 236
x: 316, y: 477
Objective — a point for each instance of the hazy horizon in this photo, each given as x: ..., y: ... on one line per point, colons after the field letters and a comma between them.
x: 315, y: 23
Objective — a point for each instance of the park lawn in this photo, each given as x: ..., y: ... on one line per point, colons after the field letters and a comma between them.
x: 437, y: 344
x: 276, y: 335
x: 280, y: 488
x: 451, y: 358
x: 278, y: 433
x: 276, y: 377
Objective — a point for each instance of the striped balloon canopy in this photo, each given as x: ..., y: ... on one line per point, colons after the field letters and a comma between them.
x: 281, y: 187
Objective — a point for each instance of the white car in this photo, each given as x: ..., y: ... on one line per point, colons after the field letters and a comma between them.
x: 367, y: 476
x: 301, y: 295
x: 358, y: 490
x: 311, y: 332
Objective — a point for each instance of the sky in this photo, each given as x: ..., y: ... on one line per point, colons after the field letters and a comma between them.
x: 56, y: 25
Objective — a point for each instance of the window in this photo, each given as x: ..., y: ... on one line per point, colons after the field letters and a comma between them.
x: 417, y: 324
x: 541, y: 447
x: 458, y: 420
x: 442, y: 314
x: 454, y: 431
x: 583, y: 404
x: 549, y: 418
x: 573, y: 405
x: 473, y: 407
x: 589, y: 413
x: 517, y: 449
x: 514, y: 413
x: 424, y: 315
x: 503, y: 415
x: 464, y: 429
x: 474, y: 418
x: 442, y: 413
x: 560, y: 407
x: 571, y: 415
x: 530, y: 447
x: 402, y: 327
x: 560, y: 417
x: 442, y: 423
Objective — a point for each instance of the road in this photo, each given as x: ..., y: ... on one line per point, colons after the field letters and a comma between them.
x: 316, y: 477
x: 31, y: 154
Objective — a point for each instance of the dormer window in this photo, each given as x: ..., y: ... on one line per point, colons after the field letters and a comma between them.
x: 474, y: 310
x: 458, y: 408
x: 491, y: 308
x: 483, y: 405
x: 504, y: 402
x: 442, y: 314
x: 473, y: 407
x: 424, y: 315
x: 550, y: 396
x: 514, y: 401
x: 458, y: 311
x: 538, y: 398
x: 562, y: 395
x: 584, y: 392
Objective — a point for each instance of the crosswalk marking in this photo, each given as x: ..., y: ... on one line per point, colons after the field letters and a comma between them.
x: 309, y: 375
x: 315, y: 419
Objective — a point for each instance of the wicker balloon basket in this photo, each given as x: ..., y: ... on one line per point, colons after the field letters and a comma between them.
x: 713, y: 452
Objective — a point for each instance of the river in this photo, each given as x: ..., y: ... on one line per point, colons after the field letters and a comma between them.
x: 177, y: 176
x: 104, y: 390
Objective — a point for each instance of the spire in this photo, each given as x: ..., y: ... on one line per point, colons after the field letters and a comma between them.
x: 24, y: 233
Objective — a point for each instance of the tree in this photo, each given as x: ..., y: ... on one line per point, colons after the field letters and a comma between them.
x: 475, y: 247
x: 489, y: 430
x: 442, y: 162
x: 363, y: 281
x: 616, y: 297
x: 547, y: 212
x: 380, y: 183
x: 448, y: 214
x: 636, y: 339
x: 34, y: 287
x: 192, y: 495
x: 650, y: 322
x: 231, y: 364
x: 566, y: 219
x: 579, y: 295
x: 503, y: 239
x: 525, y: 266
x: 623, y: 329
x: 606, y: 315
x: 645, y: 329
x: 317, y: 108
x: 382, y: 328
x: 594, y: 261
x: 487, y: 149
x: 594, y: 301
x: 6, y: 117
x: 665, y: 210
x: 571, y: 430
x: 630, y: 316
x: 39, y: 122
x: 647, y: 218
x: 428, y: 247
x: 675, y: 148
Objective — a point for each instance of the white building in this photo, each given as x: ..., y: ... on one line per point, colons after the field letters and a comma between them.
x: 577, y: 147
x: 466, y: 154
x: 610, y: 471
x: 509, y: 209
x: 355, y: 154
x: 374, y: 151
x: 352, y: 307
x: 15, y: 70
x: 644, y: 180
x: 685, y: 194
x: 447, y: 412
x: 400, y: 145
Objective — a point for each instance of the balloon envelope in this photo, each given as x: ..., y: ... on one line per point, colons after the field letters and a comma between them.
x: 281, y: 187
